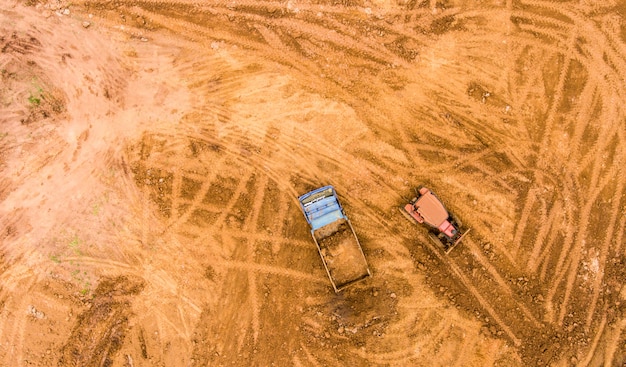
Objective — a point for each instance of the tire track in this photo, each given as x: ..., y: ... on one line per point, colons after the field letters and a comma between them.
x: 613, y: 343
x: 194, y: 32
x: 478, y: 295
x: 310, y: 357
x: 19, y: 329
x: 581, y: 236
x: 529, y: 204
x: 554, y: 103
x: 272, y: 270
x: 570, y: 233
x: 540, y: 256
x: 604, y: 250
x: 620, y: 233
x: 547, y: 32
x: 313, y: 76
x: 19, y: 280
x: 166, y: 323
x: 596, y: 185
x: 551, y: 23
x: 177, y: 181
x: 362, y: 47
x: 500, y: 281
x: 204, y: 234
x: 595, y: 343
x: 534, y: 76
x: 428, y: 343
x: 250, y: 227
x: 237, y: 156
x: 523, y: 221
x: 396, y: 357
x: 460, y: 361
x: 584, y: 113
x: 537, y: 256
x: 101, y: 263
x: 597, y: 41
x: 310, y: 29
x: 339, y: 159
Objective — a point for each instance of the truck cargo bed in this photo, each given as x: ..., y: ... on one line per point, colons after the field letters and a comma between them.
x: 342, y: 254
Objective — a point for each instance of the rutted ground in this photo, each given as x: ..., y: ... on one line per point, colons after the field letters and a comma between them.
x: 152, y: 153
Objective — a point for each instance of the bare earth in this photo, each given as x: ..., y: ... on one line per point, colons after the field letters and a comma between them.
x: 151, y: 154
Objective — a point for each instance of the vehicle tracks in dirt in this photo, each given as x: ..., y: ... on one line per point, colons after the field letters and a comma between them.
x: 533, y: 165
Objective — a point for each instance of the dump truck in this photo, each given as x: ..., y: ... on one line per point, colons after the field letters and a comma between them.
x: 445, y: 229
x: 335, y: 238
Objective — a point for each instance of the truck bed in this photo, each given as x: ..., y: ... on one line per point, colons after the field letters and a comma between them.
x: 341, y: 252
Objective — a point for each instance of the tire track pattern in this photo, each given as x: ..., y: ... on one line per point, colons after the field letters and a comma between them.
x: 245, y: 226
x: 545, y: 134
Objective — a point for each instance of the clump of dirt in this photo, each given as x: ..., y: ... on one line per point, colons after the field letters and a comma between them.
x: 99, y: 331
x: 485, y: 96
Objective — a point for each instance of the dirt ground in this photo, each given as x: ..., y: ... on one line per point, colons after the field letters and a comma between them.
x: 152, y: 153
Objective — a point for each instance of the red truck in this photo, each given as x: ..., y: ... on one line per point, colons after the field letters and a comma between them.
x: 445, y: 229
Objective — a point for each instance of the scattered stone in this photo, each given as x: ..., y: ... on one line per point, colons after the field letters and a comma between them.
x: 86, y: 24
x: 35, y: 313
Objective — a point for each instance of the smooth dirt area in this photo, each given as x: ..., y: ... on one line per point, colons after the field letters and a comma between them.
x: 152, y: 153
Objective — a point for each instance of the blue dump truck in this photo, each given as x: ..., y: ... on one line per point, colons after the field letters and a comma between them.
x: 335, y: 238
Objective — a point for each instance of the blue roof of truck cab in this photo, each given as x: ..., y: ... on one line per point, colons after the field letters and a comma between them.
x: 323, y: 210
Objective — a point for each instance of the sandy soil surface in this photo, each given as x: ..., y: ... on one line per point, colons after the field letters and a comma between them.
x: 152, y: 152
